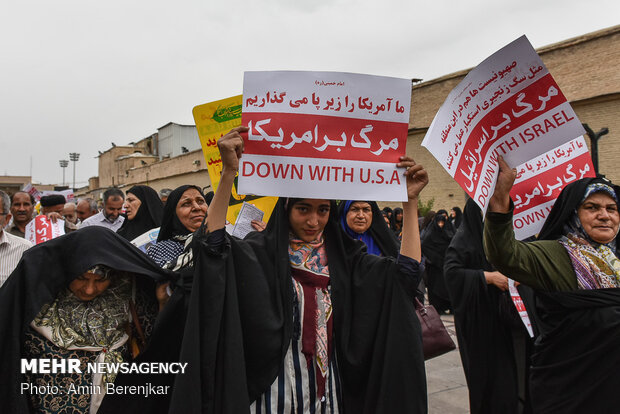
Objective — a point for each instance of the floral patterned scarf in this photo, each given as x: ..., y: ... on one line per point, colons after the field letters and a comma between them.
x: 311, y: 281
x: 596, y: 265
x: 95, y: 325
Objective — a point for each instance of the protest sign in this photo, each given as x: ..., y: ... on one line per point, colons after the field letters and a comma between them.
x: 324, y: 135
x: 509, y: 105
x: 541, y: 180
x: 146, y: 239
x: 30, y: 189
x: 243, y: 226
x: 67, y: 194
x: 213, y: 120
x: 518, y: 302
x: 41, y: 229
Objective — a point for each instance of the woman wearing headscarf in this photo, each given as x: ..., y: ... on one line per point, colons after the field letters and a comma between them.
x: 426, y: 222
x: 298, y: 317
x: 437, y: 237
x: 575, y: 272
x: 362, y: 220
x: 397, y: 222
x: 144, y: 211
x: 184, y: 212
x: 484, y: 328
x: 456, y: 217
x: 89, y: 295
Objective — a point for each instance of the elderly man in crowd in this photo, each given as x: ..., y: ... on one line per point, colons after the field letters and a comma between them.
x: 22, y: 209
x: 53, y: 206
x: 110, y: 216
x: 11, y: 247
x: 69, y: 212
x: 86, y: 207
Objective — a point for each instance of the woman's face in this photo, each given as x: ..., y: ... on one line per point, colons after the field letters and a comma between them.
x: 399, y: 217
x: 359, y: 217
x: 191, y: 209
x: 88, y: 286
x: 132, y: 205
x: 599, y: 217
x: 308, y: 218
x: 441, y: 219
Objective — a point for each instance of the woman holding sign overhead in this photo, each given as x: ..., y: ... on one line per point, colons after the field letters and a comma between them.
x: 574, y: 269
x: 299, y: 317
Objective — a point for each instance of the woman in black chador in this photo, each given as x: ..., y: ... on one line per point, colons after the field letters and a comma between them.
x: 574, y: 268
x: 362, y: 220
x: 184, y: 212
x: 143, y: 210
x: 437, y: 237
x: 299, y: 318
x: 88, y: 295
x: 486, y: 322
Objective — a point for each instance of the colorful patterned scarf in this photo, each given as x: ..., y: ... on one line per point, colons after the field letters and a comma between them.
x: 95, y: 325
x: 596, y: 265
x: 311, y: 280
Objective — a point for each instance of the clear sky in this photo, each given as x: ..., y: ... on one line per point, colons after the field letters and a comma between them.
x: 78, y: 75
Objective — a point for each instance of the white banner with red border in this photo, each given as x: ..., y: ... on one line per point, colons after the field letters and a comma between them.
x: 41, y: 229
x: 324, y: 135
x: 509, y: 105
x: 541, y: 180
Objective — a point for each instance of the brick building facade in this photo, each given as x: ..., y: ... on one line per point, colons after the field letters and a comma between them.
x: 167, y: 159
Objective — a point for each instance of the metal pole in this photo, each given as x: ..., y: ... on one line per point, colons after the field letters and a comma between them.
x: 74, y: 156
x: 63, y: 165
x: 594, y: 137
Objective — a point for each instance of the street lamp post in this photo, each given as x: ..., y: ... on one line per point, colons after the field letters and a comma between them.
x: 594, y: 137
x: 63, y: 164
x: 74, y: 156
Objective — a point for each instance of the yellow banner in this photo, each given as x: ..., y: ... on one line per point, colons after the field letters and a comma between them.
x: 214, y: 120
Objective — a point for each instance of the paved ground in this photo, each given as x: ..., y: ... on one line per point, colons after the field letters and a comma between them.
x: 447, y: 389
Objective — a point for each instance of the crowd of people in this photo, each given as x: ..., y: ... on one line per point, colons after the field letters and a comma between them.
x: 314, y: 311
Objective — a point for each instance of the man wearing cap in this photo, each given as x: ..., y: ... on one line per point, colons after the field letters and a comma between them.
x: 52, y: 206
x: 11, y: 247
x: 22, y: 209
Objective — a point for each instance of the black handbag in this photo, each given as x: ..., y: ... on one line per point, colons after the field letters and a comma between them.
x: 435, y: 338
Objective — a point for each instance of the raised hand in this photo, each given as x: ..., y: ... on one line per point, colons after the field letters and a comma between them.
x: 231, y: 148
x: 417, y: 177
x: 500, y: 201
